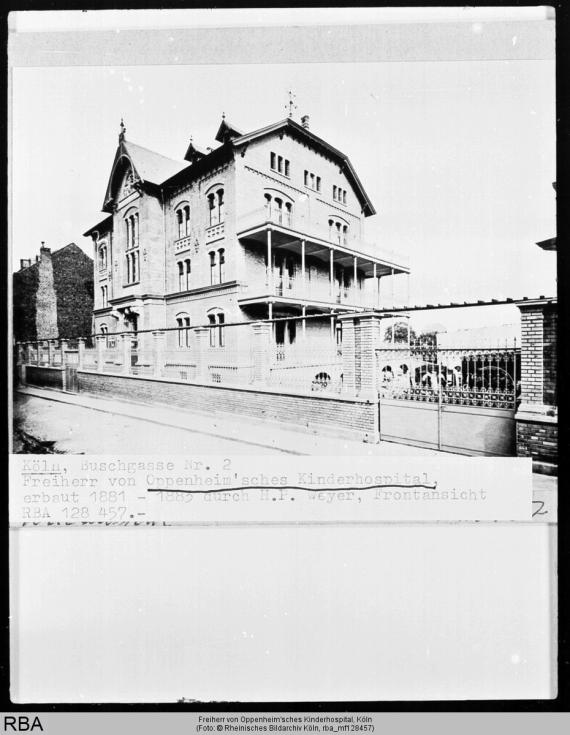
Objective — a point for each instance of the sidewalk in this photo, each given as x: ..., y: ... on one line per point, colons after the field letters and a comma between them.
x: 217, y: 433
x: 84, y: 424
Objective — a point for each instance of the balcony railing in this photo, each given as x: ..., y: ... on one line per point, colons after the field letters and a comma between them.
x: 319, y: 230
x: 311, y: 289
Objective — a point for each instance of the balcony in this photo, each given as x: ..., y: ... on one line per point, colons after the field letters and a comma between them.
x: 215, y: 232
x: 310, y: 291
x: 292, y: 230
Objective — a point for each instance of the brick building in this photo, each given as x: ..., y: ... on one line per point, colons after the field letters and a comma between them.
x: 53, y: 296
x: 268, y: 224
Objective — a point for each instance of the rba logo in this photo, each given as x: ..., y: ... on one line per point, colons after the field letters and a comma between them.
x: 22, y: 723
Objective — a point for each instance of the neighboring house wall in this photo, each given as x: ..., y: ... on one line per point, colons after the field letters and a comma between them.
x: 54, y: 296
x: 46, y: 301
x: 73, y: 281
x: 25, y: 287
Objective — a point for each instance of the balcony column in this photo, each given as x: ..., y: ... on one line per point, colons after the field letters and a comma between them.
x: 304, y: 323
x: 332, y: 327
x: 407, y: 289
x: 80, y: 353
x: 392, y: 287
x: 331, y: 273
x: 303, y: 268
x: 355, y: 278
x: 269, y: 273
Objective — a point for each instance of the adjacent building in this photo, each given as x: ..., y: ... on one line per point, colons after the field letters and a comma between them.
x: 53, y: 295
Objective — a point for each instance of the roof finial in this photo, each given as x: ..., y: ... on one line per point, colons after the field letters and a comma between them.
x: 291, y: 104
x: 223, y: 115
x: 122, y: 131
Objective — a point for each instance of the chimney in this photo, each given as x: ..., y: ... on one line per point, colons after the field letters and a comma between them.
x: 44, y: 249
x: 305, y: 121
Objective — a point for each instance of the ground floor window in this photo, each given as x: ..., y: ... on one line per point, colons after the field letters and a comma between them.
x: 217, y: 320
x: 183, y: 322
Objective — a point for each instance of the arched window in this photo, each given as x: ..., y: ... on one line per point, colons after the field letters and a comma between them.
x: 104, y: 297
x: 222, y: 264
x: 132, y: 247
x: 183, y: 323
x: 183, y: 220
x: 105, y: 331
x: 214, y: 272
x: 338, y: 231
x: 217, y: 319
x: 180, y: 275
x: 216, y: 207
x: 278, y: 209
x: 103, y: 256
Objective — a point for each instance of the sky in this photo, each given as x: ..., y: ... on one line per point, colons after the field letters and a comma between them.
x: 457, y: 157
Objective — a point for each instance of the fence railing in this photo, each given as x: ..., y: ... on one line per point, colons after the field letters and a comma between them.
x: 488, y: 377
x: 231, y: 355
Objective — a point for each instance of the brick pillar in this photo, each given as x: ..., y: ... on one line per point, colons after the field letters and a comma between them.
x: 537, y: 414
x: 80, y: 353
x: 100, y: 342
x: 261, y: 352
x: 369, y: 339
x: 63, y: 348
x: 159, y: 344
x: 126, y: 351
x: 348, y: 355
x: 50, y: 352
x: 201, y: 341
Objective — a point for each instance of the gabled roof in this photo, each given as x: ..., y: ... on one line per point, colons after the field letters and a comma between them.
x: 149, y: 167
x: 305, y: 134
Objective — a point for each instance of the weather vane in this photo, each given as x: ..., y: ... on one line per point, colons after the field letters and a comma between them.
x: 122, y: 131
x: 291, y: 104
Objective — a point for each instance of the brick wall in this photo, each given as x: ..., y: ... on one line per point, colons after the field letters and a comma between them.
x: 73, y: 281
x: 549, y: 356
x: 538, y: 440
x: 343, y: 416
x: 537, y: 425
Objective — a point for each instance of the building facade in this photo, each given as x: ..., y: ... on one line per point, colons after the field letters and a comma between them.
x: 53, y: 296
x: 267, y: 225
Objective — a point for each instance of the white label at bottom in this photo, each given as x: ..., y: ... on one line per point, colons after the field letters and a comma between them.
x: 138, y: 490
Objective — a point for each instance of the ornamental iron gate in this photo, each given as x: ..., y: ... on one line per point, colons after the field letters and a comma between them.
x: 455, y: 400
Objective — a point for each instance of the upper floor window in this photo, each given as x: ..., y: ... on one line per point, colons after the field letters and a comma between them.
x: 132, y: 254
x: 184, y: 270
x: 217, y: 266
x: 103, y: 256
x: 104, y: 297
x: 338, y: 231
x: 278, y: 210
x: 217, y: 320
x: 216, y: 207
x: 312, y: 181
x: 339, y: 195
x: 183, y: 323
x: 183, y: 220
x: 279, y: 164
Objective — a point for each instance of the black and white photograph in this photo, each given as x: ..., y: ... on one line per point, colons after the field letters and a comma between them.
x: 283, y: 309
